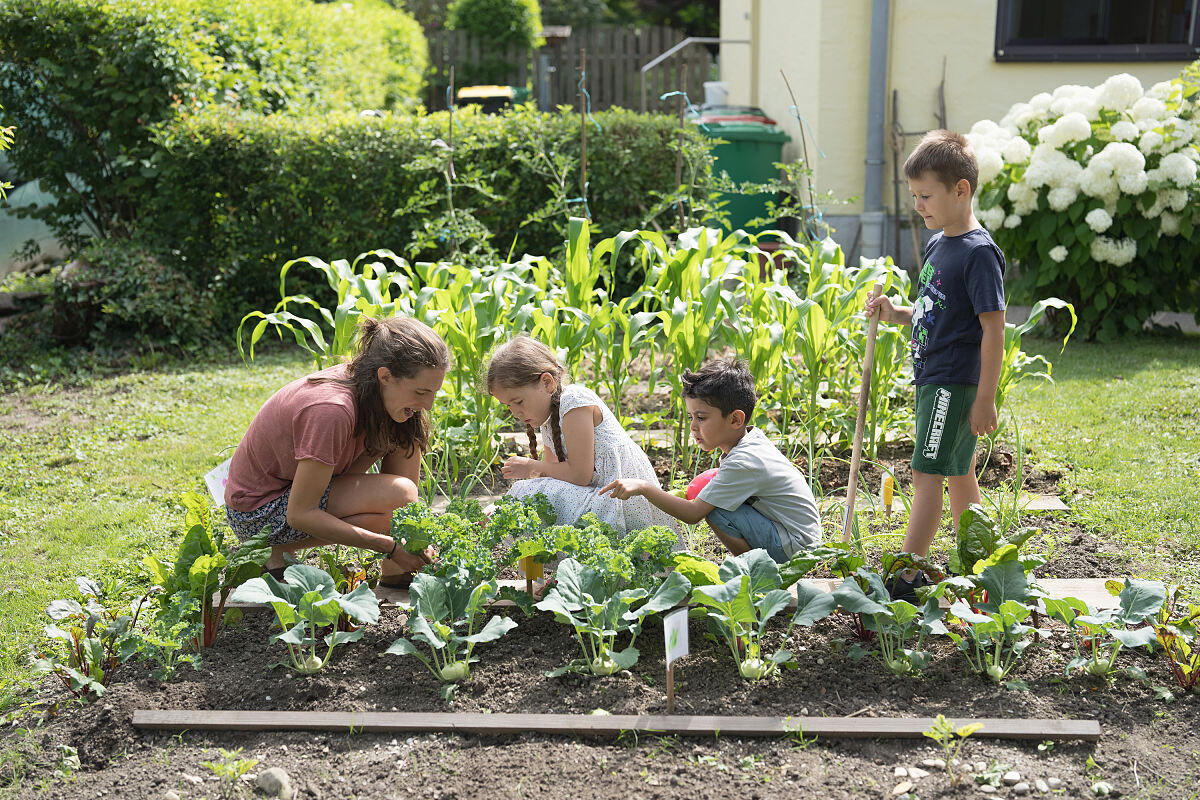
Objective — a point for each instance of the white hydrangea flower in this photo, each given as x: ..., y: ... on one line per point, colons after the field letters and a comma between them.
x: 1150, y: 142
x: 1120, y: 92
x: 1012, y: 220
x: 1061, y: 197
x: 1016, y: 150
x: 991, y: 218
x: 1148, y: 108
x: 1155, y: 209
x: 1132, y: 182
x: 1169, y: 224
x: 990, y: 163
x: 1058, y: 253
x: 1178, y: 168
x: 1174, y: 199
x: 1115, y: 252
x: 1163, y: 90
x: 1023, y: 197
x: 1070, y: 127
x: 1098, y: 220
x: 1125, y: 131
x: 1041, y: 101
x: 1098, y: 181
x: 984, y: 128
x: 1123, y: 156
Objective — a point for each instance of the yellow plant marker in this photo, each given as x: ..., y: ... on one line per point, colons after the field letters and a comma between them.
x: 532, y: 570
x: 887, y: 490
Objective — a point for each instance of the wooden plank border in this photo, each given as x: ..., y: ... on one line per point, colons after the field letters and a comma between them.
x: 605, y: 726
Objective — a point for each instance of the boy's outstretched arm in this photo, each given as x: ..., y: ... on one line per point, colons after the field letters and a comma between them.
x: 983, y: 416
x: 689, y: 511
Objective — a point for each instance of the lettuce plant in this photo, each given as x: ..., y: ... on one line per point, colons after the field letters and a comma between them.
x: 306, y: 603
x: 749, y: 597
x: 444, y: 613
x: 639, y: 558
x: 587, y: 599
x: 996, y: 635
x: 894, y: 622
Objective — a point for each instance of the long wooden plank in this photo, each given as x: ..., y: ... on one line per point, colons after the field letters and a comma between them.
x: 590, y: 725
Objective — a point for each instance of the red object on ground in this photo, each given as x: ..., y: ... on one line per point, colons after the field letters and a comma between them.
x: 699, y: 482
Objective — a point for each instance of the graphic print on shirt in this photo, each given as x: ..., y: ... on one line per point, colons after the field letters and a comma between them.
x: 930, y: 300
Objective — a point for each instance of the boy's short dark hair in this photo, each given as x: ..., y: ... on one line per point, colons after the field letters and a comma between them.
x: 726, y: 385
x: 946, y: 154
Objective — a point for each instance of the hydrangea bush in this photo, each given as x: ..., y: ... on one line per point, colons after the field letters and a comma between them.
x: 1092, y: 192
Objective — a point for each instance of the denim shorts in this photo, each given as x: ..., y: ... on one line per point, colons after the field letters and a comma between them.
x: 273, y: 515
x: 749, y: 525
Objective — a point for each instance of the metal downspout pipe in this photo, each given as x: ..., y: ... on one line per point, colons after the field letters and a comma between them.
x: 873, y: 217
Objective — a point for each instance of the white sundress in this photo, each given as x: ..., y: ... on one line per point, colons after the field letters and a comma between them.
x: 617, y: 456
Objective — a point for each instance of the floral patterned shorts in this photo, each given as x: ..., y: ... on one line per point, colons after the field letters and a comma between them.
x: 271, y: 515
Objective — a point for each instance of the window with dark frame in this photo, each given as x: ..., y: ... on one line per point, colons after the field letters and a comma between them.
x: 1097, y: 30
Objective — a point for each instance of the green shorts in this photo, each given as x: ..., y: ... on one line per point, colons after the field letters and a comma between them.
x: 944, y: 443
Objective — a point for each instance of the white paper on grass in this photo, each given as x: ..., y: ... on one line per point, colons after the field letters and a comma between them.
x: 216, y: 479
x: 675, y: 634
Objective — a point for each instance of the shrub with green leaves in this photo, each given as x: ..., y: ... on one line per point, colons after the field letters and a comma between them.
x: 501, y: 29
x: 1091, y: 191
x: 88, y: 81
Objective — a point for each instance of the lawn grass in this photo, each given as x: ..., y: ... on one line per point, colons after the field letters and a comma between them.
x: 90, y: 476
x: 1124, y: 420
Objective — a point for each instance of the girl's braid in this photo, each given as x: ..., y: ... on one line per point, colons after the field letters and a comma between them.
x: 556, y: 423
x: 532, y: 434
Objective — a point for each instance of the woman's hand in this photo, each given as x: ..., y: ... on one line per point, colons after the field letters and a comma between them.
x: 625, y: 488
x: 519, y: 467
x: 413, y: 562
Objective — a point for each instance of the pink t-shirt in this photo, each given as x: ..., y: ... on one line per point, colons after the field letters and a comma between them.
x: 302, y: 420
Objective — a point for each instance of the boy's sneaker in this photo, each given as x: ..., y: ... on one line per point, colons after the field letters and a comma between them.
x: 902, y: 588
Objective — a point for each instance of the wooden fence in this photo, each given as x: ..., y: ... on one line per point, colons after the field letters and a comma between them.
x: 615, y: 56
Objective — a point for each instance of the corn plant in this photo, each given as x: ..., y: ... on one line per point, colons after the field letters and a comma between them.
x: 1099, y: 635
x: 1017, y: 365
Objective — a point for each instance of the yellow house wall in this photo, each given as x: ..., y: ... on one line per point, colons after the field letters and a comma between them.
x: 824, y: 48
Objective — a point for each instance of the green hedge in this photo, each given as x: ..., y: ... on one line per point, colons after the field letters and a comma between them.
x: 239, y: 195
x: 86, y: 81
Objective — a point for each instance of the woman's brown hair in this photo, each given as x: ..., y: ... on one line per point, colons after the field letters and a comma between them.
x: 405, y: 346
x: 522, y: 362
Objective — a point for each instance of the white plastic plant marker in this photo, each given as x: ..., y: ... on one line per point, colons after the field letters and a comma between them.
x: 216, y: 479
x: 675, y: 638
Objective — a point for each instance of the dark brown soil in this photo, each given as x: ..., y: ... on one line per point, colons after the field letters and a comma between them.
x: 1145, y: 743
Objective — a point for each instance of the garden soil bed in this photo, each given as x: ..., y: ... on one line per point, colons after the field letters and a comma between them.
x: 1147, y: 748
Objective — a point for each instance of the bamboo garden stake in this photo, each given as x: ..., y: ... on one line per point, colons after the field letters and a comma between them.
x: 864, y: 397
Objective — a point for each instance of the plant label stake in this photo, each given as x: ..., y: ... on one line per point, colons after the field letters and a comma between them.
x: 533, y: 572
x: 216, y: 479
x: 864, y: 397
x: 887, y: 493
x: 675, y: 636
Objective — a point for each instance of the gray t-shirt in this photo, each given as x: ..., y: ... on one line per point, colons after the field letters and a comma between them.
x: 756, y: 472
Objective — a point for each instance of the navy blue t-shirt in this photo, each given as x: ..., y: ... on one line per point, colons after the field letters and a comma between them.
x: 963, y: 277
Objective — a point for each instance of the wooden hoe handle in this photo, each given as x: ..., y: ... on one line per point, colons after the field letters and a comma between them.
x: 864, y: 397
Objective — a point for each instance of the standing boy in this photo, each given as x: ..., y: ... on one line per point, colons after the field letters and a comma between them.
x: 757, y: 499
x: 957, y: 338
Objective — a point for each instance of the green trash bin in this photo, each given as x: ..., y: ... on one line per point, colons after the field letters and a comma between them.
x: 750, y: 150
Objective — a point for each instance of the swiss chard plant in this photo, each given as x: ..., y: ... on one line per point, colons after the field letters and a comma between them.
x: 995, y: 633
x: 1175, y: 627
x: 89, y: 640
x: 981, y: 542
x: 1099, y: 635
x: 208, y: 569
x: 307, y: 603
x: 587, y: 599
x: 900, y: 627
x: 445, y: 614
x: 750, y: 595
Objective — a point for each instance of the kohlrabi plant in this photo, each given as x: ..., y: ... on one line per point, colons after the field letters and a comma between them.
x: 1099, y: 635
x: 444, y: 613
x: 589, y: 601
x: 900, y: 627
x: 208, y: 568
x: 88, y: 640
x: 750, y: 595
x: 996, y: 633
x: 304, y: 605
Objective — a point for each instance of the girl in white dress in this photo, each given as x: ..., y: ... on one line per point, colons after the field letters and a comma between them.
x: 585, y: 447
